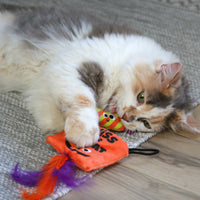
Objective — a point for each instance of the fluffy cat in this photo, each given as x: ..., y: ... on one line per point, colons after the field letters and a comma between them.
x: 68, y: 64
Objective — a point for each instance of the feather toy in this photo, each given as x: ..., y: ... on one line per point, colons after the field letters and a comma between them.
x: 62, y: 168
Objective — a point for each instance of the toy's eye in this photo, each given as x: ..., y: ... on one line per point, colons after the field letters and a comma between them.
x: 112, y: 117
x: 140, y: 97
x: 105, y: 115
x: 86, y: 150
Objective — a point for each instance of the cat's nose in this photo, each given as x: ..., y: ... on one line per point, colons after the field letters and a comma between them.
x: 127, y: 118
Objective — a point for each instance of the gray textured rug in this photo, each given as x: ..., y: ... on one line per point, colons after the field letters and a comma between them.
x: 175, y: 24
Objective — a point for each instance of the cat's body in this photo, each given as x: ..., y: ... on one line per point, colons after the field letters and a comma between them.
x: 66, y: 66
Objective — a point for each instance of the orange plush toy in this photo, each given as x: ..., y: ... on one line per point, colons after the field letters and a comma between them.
x: 109, y: 149
x: 62, y: 167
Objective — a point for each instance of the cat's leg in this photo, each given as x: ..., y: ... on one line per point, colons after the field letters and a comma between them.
x: 81, y: 124
x: 78, y: 104
x: 44, y: 109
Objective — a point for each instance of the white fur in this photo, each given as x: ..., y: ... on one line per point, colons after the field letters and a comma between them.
x: 48, y: 77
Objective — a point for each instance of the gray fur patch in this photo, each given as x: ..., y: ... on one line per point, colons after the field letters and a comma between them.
x: 92, y: 75
x: 11, y: 8
x: 168, y: 119
x: 102, y: 28
x: 42, y: 23
x: 181, y: 100
x: 158, y: 99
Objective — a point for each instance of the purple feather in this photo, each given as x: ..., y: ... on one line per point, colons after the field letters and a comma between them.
x: 67, y: 174
x: 24, y: 177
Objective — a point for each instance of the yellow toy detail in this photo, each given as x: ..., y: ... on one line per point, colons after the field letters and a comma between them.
x: 110, y: 121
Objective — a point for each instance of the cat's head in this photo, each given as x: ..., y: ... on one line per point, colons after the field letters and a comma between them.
x: 159, y: 100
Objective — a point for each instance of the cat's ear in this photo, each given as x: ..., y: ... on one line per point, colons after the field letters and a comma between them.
x: 169, y: 74
x: 186, y: 125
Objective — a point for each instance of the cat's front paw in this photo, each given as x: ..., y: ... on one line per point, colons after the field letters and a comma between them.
x: 81, y: 128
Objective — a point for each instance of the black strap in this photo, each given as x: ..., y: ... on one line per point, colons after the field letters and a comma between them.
x: 147, y: 152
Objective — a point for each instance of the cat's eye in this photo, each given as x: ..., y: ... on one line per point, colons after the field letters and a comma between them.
x: 146, y: 124
x: 140, y: 97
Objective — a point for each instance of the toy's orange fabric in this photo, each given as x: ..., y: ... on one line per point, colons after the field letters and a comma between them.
x: 109, y: 149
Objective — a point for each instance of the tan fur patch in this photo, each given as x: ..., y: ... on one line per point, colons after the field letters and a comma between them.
x: 179, y: 116
x: 148, y: 80
x: 136, y: 87
x: 158, y: 119
x: 146, y: 108
x: 83, y: 101
x: 157, y: 64
x: 157, y: 123
x: 132, y: 111
x: 129, y: 108
x: 74, y: 123
x: 169, y: 91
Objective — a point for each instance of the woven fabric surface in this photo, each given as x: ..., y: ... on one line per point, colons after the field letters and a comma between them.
x: 21, y: 141
x: 174, y: 24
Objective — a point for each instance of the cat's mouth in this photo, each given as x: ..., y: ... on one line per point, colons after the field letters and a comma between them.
x: 129, y: 129
x: 130, y: 132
